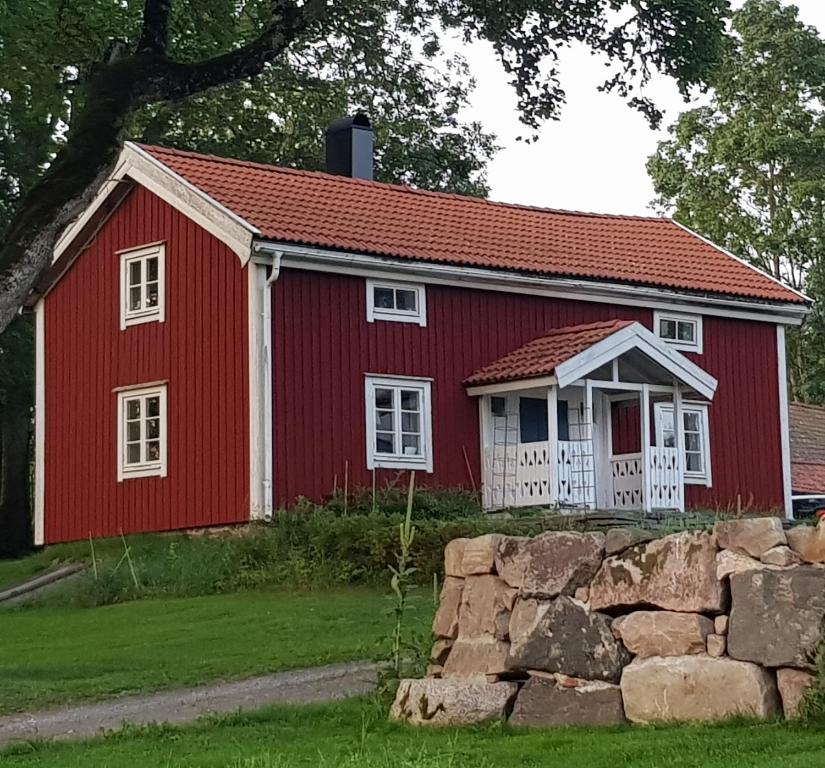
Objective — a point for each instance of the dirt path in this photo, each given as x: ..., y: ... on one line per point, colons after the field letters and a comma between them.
x: 300, y: 686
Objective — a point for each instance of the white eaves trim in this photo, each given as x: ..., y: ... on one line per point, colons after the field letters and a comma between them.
x: 137, y: 164
x: 636, y: 336
x: 383, y: 268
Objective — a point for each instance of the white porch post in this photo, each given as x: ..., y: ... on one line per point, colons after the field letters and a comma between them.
x: 486, y: 448
x: 553, y: 440
x: 589, y: 418
x: 645, y: 424
x: 679, y: 441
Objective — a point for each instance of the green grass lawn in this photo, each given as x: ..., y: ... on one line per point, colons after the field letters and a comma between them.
x: 53, y: 655
x: 355, y: 734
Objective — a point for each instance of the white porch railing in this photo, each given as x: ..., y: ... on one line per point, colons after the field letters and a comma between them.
x: 666, y: 482
x: 576, y: 473
x: 626, y: 480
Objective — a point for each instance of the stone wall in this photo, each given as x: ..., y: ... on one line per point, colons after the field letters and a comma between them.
x: 590, y: 628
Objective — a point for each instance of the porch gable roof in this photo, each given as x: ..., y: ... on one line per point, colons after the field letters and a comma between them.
x: 571, y: 353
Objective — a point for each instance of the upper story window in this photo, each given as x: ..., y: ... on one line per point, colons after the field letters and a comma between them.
x: 696, y: 436
x: 399, y: 423
x: 396, y: 302
x: 141, y: 285
x: 679, y: 331
x: 142, y: 432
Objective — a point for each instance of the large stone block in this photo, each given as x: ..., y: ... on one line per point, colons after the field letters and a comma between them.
x: 782, y: 556
x: 480, y: 555
x: 445, y: 622
x: 543, y: 702
x: 565, y: 636
x: 752, y: 536
x: 808, y: 542
x: 676, y: 573
x: 451, y: 702
x: 729, y: 562
x: 559, y: 562
x: 486, y: 603
x: 477, y: 657
x: 777, y: 616
x: 686, y: 688
x: 512, y: 555
x: 454, y: 557
x: 663, y: 633
x: 793, y: 684
x: 617, y: 540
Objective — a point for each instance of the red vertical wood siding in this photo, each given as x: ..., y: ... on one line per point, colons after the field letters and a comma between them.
x: 323, y: 346
x: 200, y: 349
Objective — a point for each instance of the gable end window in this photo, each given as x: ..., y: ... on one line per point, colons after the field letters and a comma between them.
x: 696, y: 436
x: 683, y: 332
x: 142, y: 285
x: 396, y: 302
x: 141, y: 428
x: 399, y: 423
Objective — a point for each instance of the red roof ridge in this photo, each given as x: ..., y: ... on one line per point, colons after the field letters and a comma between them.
x: 596, y: 326
x: 402, y: 188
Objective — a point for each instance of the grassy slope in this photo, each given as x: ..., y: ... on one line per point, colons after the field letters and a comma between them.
x: 56, y: 655
x: 356, y: 733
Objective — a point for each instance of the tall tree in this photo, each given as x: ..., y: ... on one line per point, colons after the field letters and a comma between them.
x: 157, y: 58
x: 748, y: 169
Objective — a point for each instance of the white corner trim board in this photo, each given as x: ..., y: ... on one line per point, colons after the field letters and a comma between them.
x: 784, y: 422
x: 39, y: 422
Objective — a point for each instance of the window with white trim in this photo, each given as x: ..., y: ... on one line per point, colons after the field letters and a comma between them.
x: 682, y: 332
x: 399, y: 423
x: 396, y: 302
x: 142, y: 285
x: 142, y: 430
x: 696, y: 437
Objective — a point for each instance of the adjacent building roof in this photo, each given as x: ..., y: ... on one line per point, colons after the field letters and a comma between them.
x: 540, y: 356
x: 807, y: 425
x: 334, y: 212
x: 808, y: 478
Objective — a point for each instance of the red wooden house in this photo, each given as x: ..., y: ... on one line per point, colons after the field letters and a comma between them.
x: 217, y: 338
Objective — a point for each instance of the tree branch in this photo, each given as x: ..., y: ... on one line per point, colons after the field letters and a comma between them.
x: 154, y: 37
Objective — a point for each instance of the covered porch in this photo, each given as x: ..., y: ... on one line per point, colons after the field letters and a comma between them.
x: 549, y: 425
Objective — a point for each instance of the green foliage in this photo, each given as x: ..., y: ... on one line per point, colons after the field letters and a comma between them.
x: 747, y: 169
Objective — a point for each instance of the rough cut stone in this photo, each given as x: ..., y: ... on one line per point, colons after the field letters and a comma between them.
x: 486, y: 603
x: 717, y: 645
x: 777, y: 616
x: 617, y: 540
x: 445, y: 622
x: 564, y: 635
x: 582, y: 594
x: 676, y: 573
x: 751, y: 536
x: 688, y: 688
x: 793, y: 684
x: 451, y: 702
x: 543, y: 703
x: 511, y: 559
x: 453, y: 557
x: 729, y: 562
x: 663, y: 633
x: 440, y: 651
x: 480, y: 555
x: 720, y: 624
x: 477, y: 657
x: 434, y: 670
x: 782, y: 556
x: 560, y: 562
x: 808, y: 542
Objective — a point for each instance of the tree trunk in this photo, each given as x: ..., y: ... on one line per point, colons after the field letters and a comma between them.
x: 15, y: 522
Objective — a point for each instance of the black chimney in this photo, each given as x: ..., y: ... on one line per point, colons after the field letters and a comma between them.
x: 349, y: 147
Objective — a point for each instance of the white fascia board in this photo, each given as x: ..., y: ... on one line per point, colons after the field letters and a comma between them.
x: 39, y: 422
x: 784, y: 422
x: 361, y: 265
x: 149, y: 172
x: 638, y: 337
x: 512, y: 386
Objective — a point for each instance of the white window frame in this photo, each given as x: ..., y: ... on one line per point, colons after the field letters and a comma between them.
x: 146, y: 468
x: 678, y: 317
x: 705, y: 477
x: 378, y: 314
x: 377, y: 460
x: 155, y: 314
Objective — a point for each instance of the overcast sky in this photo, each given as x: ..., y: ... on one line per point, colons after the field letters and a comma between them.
x: 593, y: 159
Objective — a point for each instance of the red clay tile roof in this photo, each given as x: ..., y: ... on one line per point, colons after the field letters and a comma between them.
x: 540, y: 356
x: 808, y: 478
x: 321, y: 210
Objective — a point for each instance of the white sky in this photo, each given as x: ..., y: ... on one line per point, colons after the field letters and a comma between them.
x: 593, y: 159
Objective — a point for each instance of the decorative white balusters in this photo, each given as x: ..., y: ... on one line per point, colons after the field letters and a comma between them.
x: 626, y: 477
x: 576, y: 473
